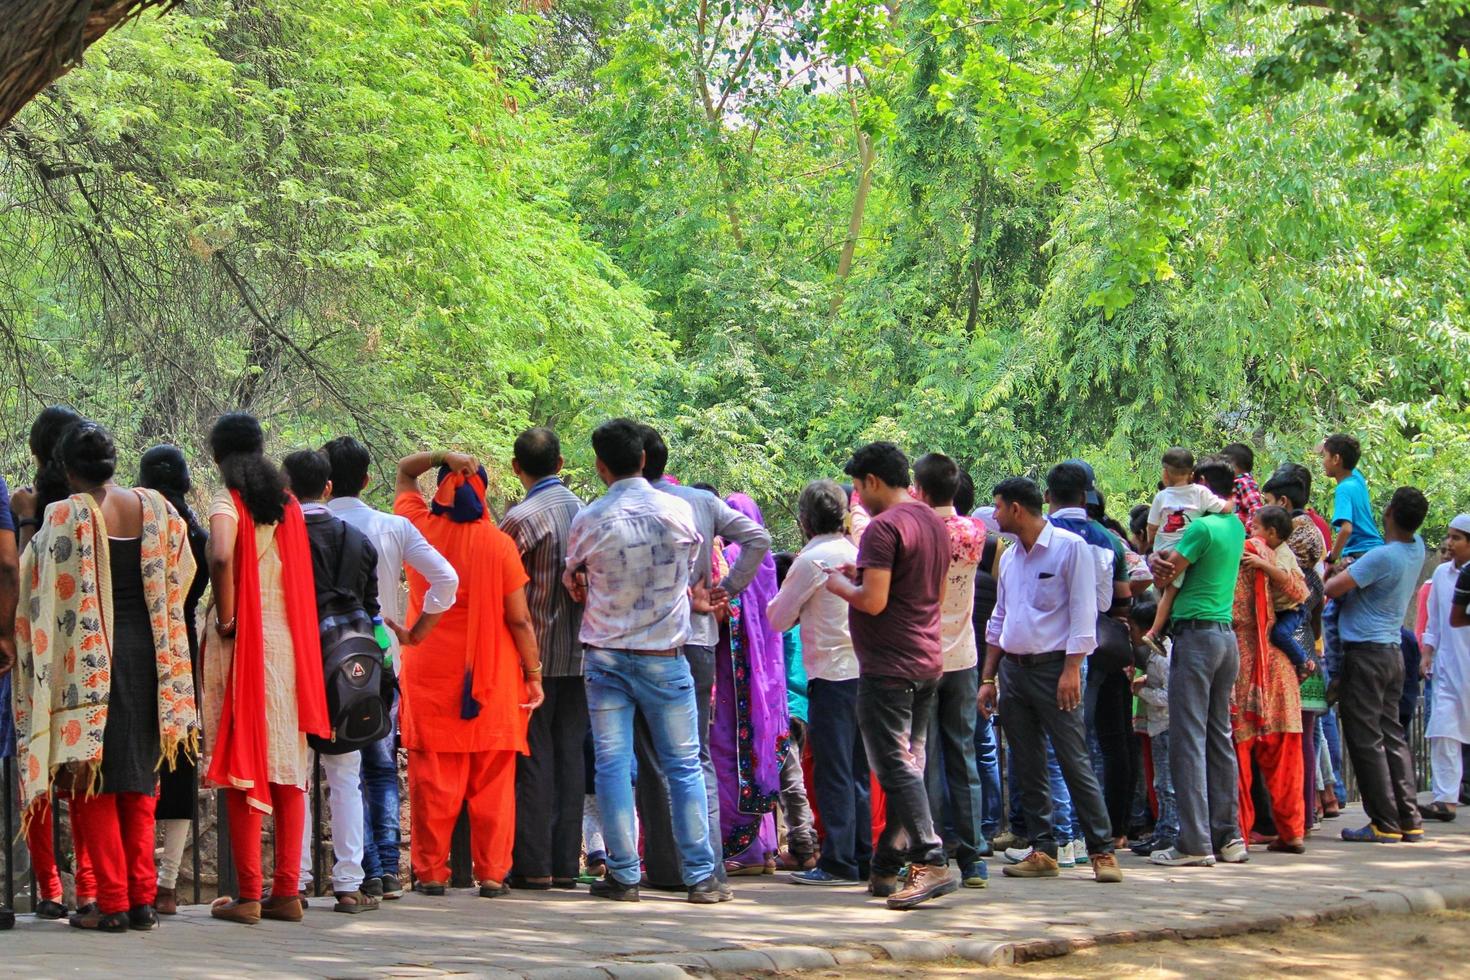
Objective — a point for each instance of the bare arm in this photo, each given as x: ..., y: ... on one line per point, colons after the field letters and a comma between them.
x: 411, y: 467
x: 222, y: 533
x: 1344, y: 532
x: 871, y: 597
x: 1340, y: 585
x: 523, y: 632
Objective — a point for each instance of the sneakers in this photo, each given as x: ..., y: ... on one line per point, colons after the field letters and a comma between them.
x: 976, y: 875
x: 1008, y: 840
x: 392, y: 886
x: 926, y: 881
x: 613, y: 890
x: 816, y: 876
x: 706, y: 892
x: 373, y: 888
x: 1037, y: 864
x: 1235, y: 852
x: 1146, y: 847
x: 882, y: 886
x: 1171, y: 857
x: 1370, y: 835
x: 1015, y: 855
x: 1105, y: 868
x: 1066, y: 855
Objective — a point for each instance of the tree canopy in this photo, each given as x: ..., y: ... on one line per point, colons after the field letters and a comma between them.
x: 1013, y: 230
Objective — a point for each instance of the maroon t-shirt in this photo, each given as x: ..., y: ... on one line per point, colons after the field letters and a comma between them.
x: 904, y: 639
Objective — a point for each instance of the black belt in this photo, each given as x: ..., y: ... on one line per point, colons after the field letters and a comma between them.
x: 1036, y: 659
x: 1200, y: 624
x: 637, y: 653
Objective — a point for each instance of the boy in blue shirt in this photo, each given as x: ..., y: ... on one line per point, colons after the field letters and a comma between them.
x: 1374, y: 594
x: 1352, y: 511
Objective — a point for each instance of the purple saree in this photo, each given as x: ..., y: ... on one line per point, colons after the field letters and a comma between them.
x: 751, y: 725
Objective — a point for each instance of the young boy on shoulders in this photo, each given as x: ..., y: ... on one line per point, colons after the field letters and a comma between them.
x: 1179, y: 501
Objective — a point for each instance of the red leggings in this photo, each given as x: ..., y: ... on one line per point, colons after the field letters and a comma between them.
x: 41, y: 843
x: 288, y: 805
x: 118, y: 829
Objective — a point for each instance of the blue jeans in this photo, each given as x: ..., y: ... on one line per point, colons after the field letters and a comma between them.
x: 1328, y: 718
x: 987, y: 761
x: 1283, y: 635
x: 1167, y: 826
x: 840, y: 778
x: 951, y: 776
x: 661, y: 689
x: 379, y: 782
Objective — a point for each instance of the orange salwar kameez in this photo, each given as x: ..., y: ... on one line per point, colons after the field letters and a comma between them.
x: 469, y: 656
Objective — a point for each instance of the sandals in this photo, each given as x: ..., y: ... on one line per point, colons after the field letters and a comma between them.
x: 1437, y: 811
x: 354, y: 902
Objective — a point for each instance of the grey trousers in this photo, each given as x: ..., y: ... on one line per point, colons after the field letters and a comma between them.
x: 950, y: 772
x: 1371, y: 684
x: 1202, y: 759
x: 661, y: 863
x: 801, y: 830
x: 1028, y: 704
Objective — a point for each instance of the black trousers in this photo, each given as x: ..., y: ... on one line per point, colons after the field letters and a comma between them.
x: 550, y: 784
x: 1112, y: 721
x: 894, y: 715
x: 1368, y: 704
x: 1028, y: 703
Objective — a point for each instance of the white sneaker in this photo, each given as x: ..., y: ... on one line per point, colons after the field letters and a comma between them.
x: 1016, y: 855
x: 1079, y: 851
x: 1171, y: 857
x: 1065, y: 856
x: 1235, y: 852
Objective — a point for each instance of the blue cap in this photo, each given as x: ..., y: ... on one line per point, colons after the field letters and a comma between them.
x: 1093, y: 497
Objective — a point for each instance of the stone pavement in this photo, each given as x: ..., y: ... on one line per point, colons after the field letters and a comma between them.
x: 772, y: 924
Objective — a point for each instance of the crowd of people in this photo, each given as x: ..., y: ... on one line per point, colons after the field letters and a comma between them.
x: 637, y: 693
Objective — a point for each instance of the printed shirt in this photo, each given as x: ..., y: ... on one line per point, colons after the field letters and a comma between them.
x: 638, y: 547
x: 956, y: 624
x: 1174, y: 507
x: 1248, y: 498
x: 399, y: 543
x: 1046, y: 598
x: 826, y: 642
x: 540, y: 525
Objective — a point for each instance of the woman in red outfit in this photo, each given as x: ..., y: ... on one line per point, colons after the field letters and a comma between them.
x: 262, y: 667
x: 105, y: 695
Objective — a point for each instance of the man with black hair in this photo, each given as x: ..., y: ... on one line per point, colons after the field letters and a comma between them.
x: 551, y: 779
x: 630, y: 558
x: 713, y: 518
x: 399, y: 545
x: 896, y: 591
x: 1043, y: 628
x: 1248, y: 497
x: 1202, y: 673
x: 337, y: 595
x: 1375, y: 592
x: 951, y: 772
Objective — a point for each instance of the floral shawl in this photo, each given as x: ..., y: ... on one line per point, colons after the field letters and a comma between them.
x: 64, y: 648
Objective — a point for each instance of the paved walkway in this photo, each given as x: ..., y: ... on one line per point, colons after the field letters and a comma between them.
x: 772, y: 924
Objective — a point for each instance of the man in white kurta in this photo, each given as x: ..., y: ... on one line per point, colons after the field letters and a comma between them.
x: 1446, y: 659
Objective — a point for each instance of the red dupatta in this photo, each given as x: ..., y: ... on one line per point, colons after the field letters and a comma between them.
x: 1263, y: 615
x: 240, y: 759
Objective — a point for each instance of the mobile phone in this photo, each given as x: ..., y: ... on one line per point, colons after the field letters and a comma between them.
x: 821, y: 565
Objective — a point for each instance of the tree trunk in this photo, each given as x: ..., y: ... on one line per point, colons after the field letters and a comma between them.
x: 43, y: 39
x: 866, y: 155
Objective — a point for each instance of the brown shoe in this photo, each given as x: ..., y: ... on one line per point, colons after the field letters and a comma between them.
x: 284, y: 908
x: 926, y: 881
x: 1105, y: 869
x: 1037, y: 864
x: 236, y: 910
x: 167, y: 902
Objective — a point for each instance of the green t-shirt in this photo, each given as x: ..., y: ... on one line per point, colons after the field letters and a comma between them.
x: 1213, y: 543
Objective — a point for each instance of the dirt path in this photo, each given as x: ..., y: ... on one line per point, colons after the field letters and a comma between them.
x: 1436, y: 945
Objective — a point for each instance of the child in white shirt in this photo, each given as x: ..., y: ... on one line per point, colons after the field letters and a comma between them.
x: 1180, y: 501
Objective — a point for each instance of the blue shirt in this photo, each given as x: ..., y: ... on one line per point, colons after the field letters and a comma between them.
x: 1386, y: 578
x: 1350, y: 503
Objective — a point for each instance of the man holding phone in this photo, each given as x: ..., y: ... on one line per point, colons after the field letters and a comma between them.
x: 1044, y: 624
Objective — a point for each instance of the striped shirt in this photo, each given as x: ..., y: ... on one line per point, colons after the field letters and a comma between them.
x: 540, y: 525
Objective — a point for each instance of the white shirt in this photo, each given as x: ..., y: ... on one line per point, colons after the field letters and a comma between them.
x: 826, y: 644
x: 1174, y: 507
x: 638, y: 547
x: 1450, y: 717
x: 399, y: 543
x: 1046, y: 598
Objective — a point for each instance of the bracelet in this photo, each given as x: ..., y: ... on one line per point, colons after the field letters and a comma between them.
x: 988, y: 680
x: 437, y: 458
x: 532, y: 670
x: 225, y: 629
x: 28, y: 522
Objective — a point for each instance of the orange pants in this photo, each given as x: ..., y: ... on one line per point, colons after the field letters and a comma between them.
x: 439, y: 785
x: 1280, y: 759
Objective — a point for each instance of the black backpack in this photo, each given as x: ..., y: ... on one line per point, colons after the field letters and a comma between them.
x: 352, y: 666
